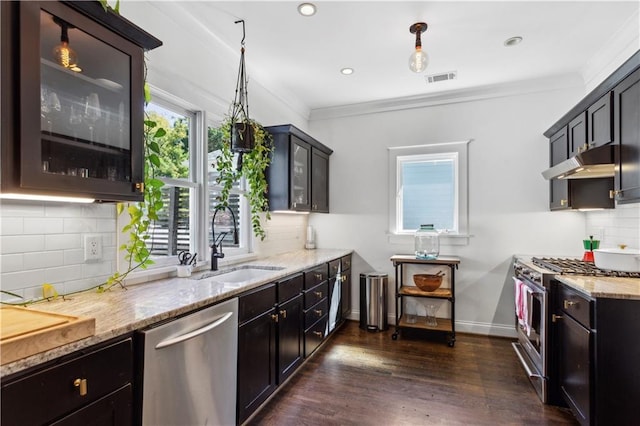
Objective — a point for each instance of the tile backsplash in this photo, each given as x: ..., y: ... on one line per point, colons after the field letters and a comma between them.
x: 616, y: 226
x: 44, y: 243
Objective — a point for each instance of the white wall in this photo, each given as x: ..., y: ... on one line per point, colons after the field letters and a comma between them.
x: 508, y: 198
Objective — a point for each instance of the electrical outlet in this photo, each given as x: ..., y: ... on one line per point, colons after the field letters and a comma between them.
x: 92, y: 247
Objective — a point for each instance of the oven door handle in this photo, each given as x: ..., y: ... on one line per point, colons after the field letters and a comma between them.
x: 524, y: 363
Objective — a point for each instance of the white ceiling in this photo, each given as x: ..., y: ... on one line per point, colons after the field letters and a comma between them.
x: 302, y: 56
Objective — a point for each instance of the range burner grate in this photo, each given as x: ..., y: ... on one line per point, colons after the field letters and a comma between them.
x: 578, y: 267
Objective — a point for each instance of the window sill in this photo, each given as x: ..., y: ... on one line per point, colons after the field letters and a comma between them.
x: 445, y: 239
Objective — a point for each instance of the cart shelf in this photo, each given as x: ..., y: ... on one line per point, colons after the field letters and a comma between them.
x: 445, y: 325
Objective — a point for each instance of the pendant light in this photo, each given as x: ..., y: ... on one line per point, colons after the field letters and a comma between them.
x: 63, y: 54
x: 419, y: 59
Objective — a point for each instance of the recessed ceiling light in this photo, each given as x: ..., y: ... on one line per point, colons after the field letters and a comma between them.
x: 307, y: 9
x: 347, y: 71
x: 512, y: 41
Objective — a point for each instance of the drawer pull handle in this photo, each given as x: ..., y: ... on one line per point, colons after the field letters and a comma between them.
x: 274, y: 317
x: 569, y: 303
x: 318, y: 293
x: 81, y: 384
x: 555, y: 317
x: 318, y: 312
x: 318, y: 333
x: 283, y: 313
x: 318, y: 276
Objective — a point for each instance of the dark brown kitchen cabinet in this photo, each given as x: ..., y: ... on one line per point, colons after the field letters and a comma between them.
x: 565, y: 194
x: 92, y: 386
x: 316, y: 307
x: 298, y: 174
x: 290, y: 326
x: 319, y: 181
x: 627, y: 139
x: 600, y: 122
x: 558, y: 188
x: 577, y: 133
x: 257, y: 332
x: 597, y: 361
x: 72, y: 123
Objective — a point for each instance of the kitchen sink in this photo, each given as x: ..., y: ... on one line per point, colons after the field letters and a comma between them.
x: 237, y: 277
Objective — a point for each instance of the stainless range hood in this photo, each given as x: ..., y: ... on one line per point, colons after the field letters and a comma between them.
x: 594, y: 163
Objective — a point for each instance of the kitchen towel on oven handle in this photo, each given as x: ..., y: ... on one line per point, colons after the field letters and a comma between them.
x: 523, y: 299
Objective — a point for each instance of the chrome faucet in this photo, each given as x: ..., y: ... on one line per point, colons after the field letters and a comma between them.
x: 217, y: 243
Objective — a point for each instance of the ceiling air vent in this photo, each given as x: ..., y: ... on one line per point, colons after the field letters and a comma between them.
x: 435, y: 78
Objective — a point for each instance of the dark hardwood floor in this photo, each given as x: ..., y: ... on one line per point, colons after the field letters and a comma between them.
x: 364, y: 378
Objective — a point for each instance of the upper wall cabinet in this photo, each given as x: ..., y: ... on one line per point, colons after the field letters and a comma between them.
x: 298, y: 176
x: 627, y: 137
x: 609, y: 115
x: 73, y: 102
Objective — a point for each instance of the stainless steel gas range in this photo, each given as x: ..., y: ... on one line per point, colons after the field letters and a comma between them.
x: 534, y: 298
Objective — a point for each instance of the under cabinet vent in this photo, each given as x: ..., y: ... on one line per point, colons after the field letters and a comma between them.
x: 435, y: 78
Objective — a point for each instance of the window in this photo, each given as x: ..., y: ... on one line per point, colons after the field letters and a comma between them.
x: 188, y: 152
x: 237, y: 202
x: 428, y: 185
x: 174, y: 231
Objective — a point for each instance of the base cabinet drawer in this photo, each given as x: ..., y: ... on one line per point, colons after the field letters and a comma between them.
x: 60, y: 390
x: 315, y: 335
x: 316, y: 312
x: 114, y: 409
x: 316, y: 294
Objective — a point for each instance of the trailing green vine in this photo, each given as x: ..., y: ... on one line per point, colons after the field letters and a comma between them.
x: 254, y: 166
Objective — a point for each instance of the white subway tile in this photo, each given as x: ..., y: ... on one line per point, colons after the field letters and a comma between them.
x: 22, y: 244
x: 63, y: 273
x: 97, y: 269
x: 13, y: 208
x: 105, y: 211
x: 44, y: 259
x: 79, y: 225
x: 11, y: 262
x: 63, y: 210
x: 106, y: 225
x: 62, y: 241
x: 8, y: 298
x: 23, y: 279
x: 11, y: 226
x: 73, y: 256
x: 42, y: 225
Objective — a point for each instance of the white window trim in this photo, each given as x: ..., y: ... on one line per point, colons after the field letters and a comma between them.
x: 461, y: 148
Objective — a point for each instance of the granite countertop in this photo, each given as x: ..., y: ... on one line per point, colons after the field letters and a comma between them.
x: 120, y: 311
x: 603, y: 287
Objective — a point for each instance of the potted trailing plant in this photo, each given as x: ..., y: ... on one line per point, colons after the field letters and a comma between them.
x: 254, y: 165
x: 253, y: 144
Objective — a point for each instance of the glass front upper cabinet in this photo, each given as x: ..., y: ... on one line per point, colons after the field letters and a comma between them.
x: 80, y: 102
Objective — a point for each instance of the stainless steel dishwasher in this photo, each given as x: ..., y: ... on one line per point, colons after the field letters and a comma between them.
x: 190, y: 368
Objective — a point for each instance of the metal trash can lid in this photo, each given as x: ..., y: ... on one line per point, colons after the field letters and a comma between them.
x: 374, y: 274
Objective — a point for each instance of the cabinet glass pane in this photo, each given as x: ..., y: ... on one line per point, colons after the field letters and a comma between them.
x: 84, y: 103
x: 300, y: 174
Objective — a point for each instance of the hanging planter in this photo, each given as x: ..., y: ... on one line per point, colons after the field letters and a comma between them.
x: 253, y: 145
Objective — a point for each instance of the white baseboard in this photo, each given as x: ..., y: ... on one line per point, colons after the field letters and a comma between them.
x: 485, y: 329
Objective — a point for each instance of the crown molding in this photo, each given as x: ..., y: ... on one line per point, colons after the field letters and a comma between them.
x: 455, y: 96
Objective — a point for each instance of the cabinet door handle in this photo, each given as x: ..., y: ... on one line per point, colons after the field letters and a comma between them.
x: 555, y: 317
x: 318, y: 333
x: 318, y: 293
x: 344, y: 278
x: 140, y: 186
x: 568, y: 303
x: 274, y: 317
x: 318, y: 312
x: 613, y: 194
x: 283, y: 312
x: 81, y: 384
x: 564, y: 202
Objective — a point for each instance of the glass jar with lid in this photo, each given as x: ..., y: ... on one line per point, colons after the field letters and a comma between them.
x: 427, y: 243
